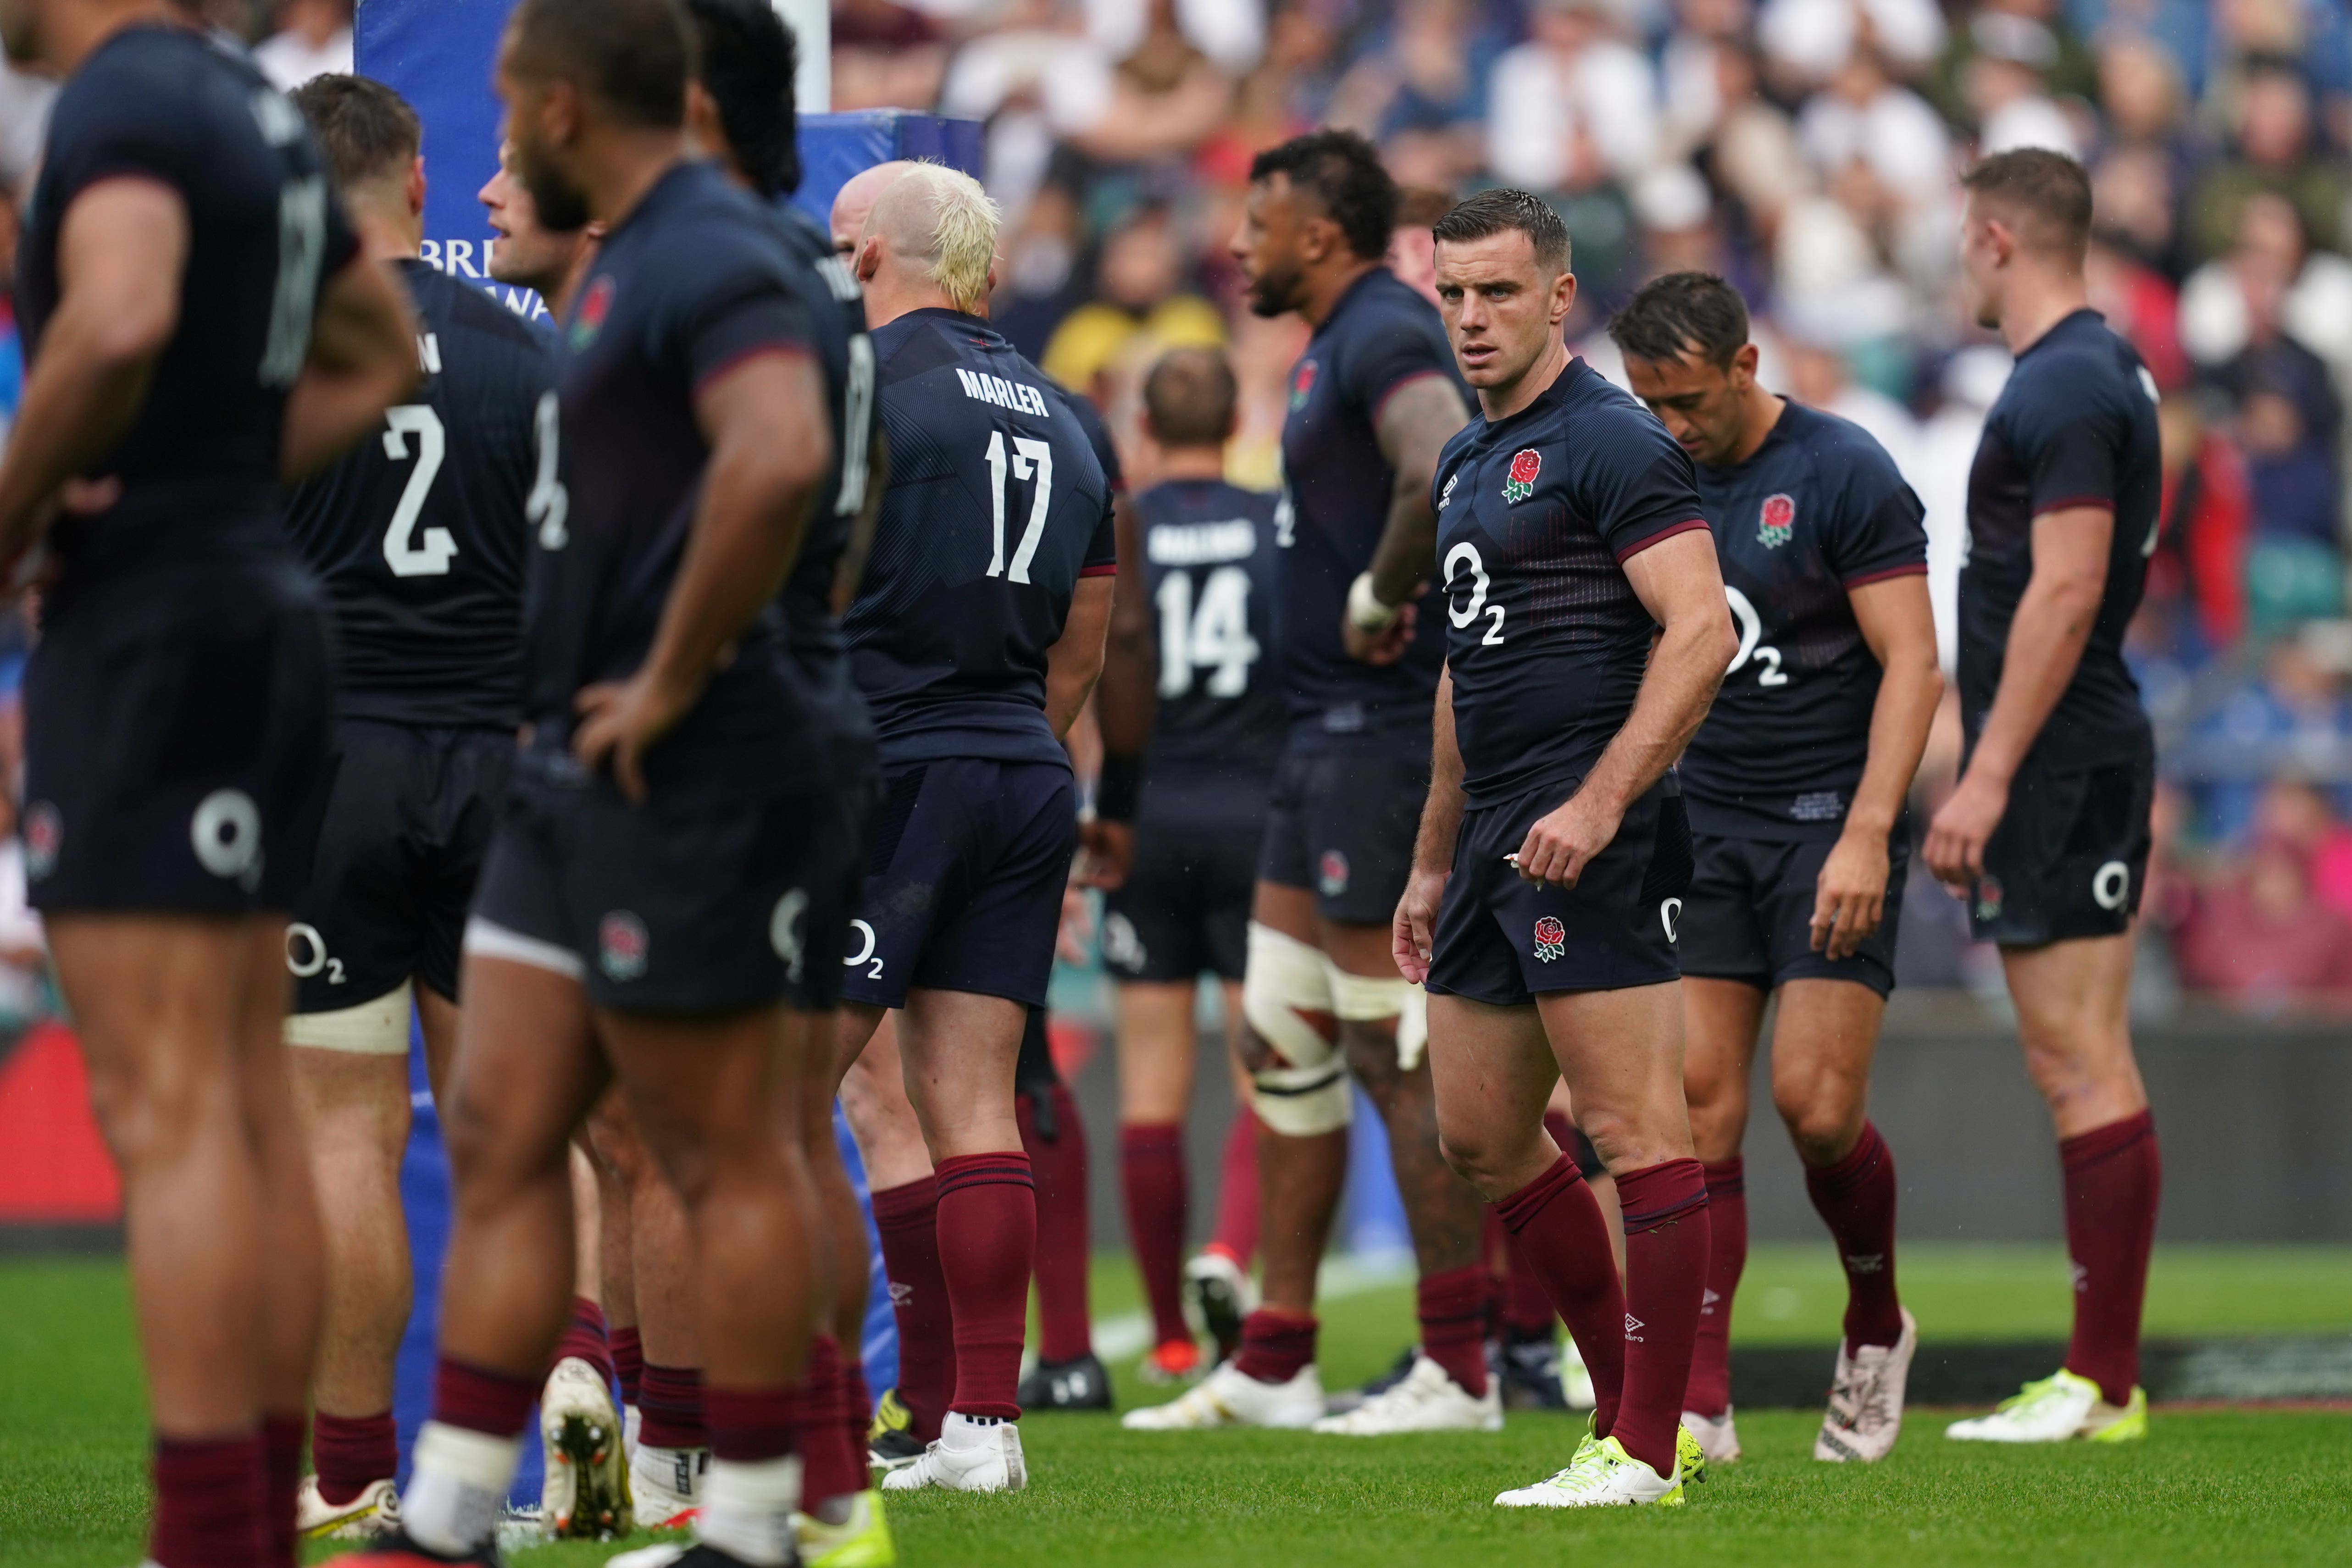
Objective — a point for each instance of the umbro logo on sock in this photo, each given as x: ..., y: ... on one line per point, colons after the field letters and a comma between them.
x: 1632, y: 1322
x: 900, y: 1295
x: 1706, y: 1299
x: 1865, y: 1262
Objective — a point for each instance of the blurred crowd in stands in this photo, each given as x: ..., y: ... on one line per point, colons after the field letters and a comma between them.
x: 1806, y: 149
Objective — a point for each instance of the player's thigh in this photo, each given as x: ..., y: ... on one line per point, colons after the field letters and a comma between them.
x: 1824, y: 1034
x: 1720, y: 1020
x: 707, y: 1092
x: 2073, y: 1021
x: 1156, y: 1041
x: 1622, y: 1054
x: 959, y: 1050
x: 881, y: 1118
x: 1492, y: 1070
x: 154, y: 1003
x: 1289, y: 910
x: 351, y: 1107
x: 524, y: 1075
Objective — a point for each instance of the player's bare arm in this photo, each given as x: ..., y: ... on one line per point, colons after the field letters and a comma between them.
x: 362, y: 360
x: 2045, y: 644
x: 1898, y: 624
x: 1415, y: 932
x: 771, y: 441
x: 122, y: 251
x: 1678, y: 580
x: 1076, y: 660
x: 1126, y: 697
x: 1415, y: 423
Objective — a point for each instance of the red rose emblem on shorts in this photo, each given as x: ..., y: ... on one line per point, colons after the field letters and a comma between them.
x: 622, y: 945
x: 1551, y: 938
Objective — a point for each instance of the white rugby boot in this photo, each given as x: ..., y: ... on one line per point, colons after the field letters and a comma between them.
x: 1217, y: 1296
x: 1865, y: 1412
x: 2059, y: 1408
x: 970, y: 1456
x: 1427, y: 1400
x: 372, y: 1515
x: 1716, y: 1436
x: 585, y: 1494
x: 666, y: 1484
x: 1602, y: 1475
x: 1229, y: 1397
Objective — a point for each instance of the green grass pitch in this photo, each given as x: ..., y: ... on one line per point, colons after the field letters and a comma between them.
x: 2210, y: 1486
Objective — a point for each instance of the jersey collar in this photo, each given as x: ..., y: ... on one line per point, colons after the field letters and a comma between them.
x: 2062, y: 324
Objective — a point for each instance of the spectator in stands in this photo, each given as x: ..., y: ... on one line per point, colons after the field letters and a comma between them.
x: 1573, y: 107
x: 1138, y: 306
x: 2273, y: 149
x: 313, y: 39
x: 2298, y: 811
x: 2260, y: 936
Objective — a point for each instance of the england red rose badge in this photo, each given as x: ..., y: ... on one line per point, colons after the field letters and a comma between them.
x: 1525, y: 465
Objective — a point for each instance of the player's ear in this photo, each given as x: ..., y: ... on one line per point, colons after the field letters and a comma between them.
x: 416, y: 186
x: 1563, y: 297
x: 869, y: 257
x: 1744, y: 360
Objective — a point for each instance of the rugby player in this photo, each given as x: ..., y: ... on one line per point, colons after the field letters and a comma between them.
x: 1194, y: 720
x: 638, y: 919
x: 1371, y: 403
x: 418, y: 541
x: 551, y: 262
x: 976, y: 637
x: 1554, y: 855
x: 201, y: 325
x: 2047, y: 835
x: 1795, y: 787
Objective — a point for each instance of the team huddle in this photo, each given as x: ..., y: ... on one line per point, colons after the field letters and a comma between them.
x: 689, y: 691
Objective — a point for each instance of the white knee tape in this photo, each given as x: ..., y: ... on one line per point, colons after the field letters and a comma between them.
x: 379, y: 1028
x: 1361, y: 999
x: 1306, y: 1094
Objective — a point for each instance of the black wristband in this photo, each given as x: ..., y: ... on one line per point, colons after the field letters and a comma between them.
x: 1120, y: 788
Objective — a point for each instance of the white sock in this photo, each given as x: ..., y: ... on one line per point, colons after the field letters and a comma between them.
x: 965, y: 1433
x: 683, y: 1471
x: 747, y: 1510
x: 458, y: 1489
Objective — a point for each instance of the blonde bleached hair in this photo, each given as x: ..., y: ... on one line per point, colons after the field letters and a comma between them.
x: 940, y: 219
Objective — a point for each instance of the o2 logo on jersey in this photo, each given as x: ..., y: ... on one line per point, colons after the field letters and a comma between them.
x: 1331, y: 874
x: 1551, y: 938
x: 1776, y: 522
x: 594, y: 306
x: 1302, y: 383
x: 1526, y: 464
x: 622, y: 946
x: 45, y: 834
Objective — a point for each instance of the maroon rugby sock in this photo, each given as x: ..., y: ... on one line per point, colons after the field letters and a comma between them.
x: 1064, y: 1326
x: 1855, y: 1197
x: 1276, y: 1343
x: 1665, y: 1274
x: 857, y: 1407
x: 1236, y: 1232
x: 906, y: 1219
x: 1566, y: 1243
x: 481, y: 1400
x: 1151, y: 1173
x: 988, y: 1242
x: 1452, y: 1308
x: 628, y: 1362
x: 1709, y: 1393
x: 750, y: 1425
x: 211, y: 1497
x: 583, y: 1338
x: 1527, y: 1307
x: 672, y: 1408
x: 350, y: 1452
x: 2114, y: 1178
x: 282, y: 1481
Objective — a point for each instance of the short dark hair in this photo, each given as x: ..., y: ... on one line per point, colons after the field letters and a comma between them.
x: 1507, y: 211
x: 1682, y: 313
x: 2048, y: 188
x: 1344, y: 173
x: 1189, y: 398
x: 747, y: 61
x: 633, y: 57
x: 1420, y: 207
x: 366, y: 130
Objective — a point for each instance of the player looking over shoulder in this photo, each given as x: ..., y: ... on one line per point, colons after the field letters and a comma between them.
x: 551, y: 262
x: 418, y: 538
x: 202, y: 326
x: 976, y: 636
x: 637, y: 919
x: 1554, y: 854
x: 2047, y: 835
x: 1210, y: 712
x: 1795, y: 787
x: 1372, y: 401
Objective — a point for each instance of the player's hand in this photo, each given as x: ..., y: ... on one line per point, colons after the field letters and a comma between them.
x: 1077, y: 927
x: 620, y: 721
x: 1957, y: 837
x: 1380, y: 648
x: 1559, y: 846
x: 1850, y: 898
x: 1413, y: 936
x: 1106, y: 855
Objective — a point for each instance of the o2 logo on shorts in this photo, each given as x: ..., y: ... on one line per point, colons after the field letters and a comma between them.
x: 863, y: 945
x: 784, y: 931
x: 1988, y: 897
x: 225, y: 833
x: 622, y: 946
x: 1670, y: 915
x: 1331, y: 874
x: 307, y: 955
x: 2111, y: 884
x: 1551, y: 938
x: 1122, y: 945
x: 45, y: 835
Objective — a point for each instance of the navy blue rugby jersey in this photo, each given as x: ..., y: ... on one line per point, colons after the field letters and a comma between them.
x: 1336, y: 489
x: 200, y: 460
x: 1817, y: 510
x: 998, y: 502
x: 2075, y: 426
x: 690, y: 285
x: 1536, y: 516
x: 417, y: 535
x: 1209, y: 555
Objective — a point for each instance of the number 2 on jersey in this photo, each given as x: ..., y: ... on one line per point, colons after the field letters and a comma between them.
x: 1032, y: 459
x: 402, y: 551
x: 1215, y: 636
